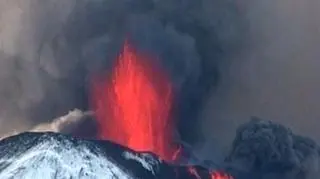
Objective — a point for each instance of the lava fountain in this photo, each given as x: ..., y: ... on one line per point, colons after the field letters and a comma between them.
x: 133, y: 107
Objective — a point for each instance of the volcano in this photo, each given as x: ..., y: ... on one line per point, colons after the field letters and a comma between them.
x: 133, y: 106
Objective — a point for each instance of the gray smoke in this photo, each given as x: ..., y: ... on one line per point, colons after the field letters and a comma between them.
x: 275, y: 75
x: 51, y: 49
x: 265, y: 149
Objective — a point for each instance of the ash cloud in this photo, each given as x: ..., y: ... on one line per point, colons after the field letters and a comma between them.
x: 275, y: 74
x: 264, y: 149
x: 51, y: 49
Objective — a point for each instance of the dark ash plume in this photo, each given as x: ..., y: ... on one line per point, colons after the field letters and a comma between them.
x: 58, y: 45
x: 265, y: 149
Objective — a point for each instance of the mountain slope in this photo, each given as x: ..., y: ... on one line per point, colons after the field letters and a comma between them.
x: 52, y: 155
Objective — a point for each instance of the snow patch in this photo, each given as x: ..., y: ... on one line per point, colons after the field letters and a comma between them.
x: 146, y: 160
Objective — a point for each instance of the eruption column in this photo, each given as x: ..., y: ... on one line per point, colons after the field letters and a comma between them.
x: 133, y: 107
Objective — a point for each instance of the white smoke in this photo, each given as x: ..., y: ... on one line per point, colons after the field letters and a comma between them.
x: 75, y: 122
x: 67, y: 124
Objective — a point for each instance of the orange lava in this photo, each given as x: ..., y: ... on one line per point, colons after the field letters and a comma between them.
x: 132, y: 108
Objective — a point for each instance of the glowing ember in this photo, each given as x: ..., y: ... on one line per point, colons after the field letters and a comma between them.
x: 177, y: 153
x: 218, y: 175
x: 215, y: 175
x: 133, y: 109
x: 194, y: 172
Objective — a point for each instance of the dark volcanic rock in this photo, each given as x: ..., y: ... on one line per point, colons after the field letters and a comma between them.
x: 53, y: 155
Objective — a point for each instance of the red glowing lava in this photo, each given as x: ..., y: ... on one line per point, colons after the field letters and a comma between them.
x: 214, y: 175
x: 133, y: 107
x: 219, y: 175
x: 176, y: 154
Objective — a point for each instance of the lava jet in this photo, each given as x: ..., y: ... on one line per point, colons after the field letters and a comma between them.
x: 133, y: 106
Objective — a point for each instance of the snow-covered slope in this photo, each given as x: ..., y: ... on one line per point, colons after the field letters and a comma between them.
x: 57, y: 156
x: 50, y: 155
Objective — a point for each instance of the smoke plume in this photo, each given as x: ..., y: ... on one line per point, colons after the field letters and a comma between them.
x: 264, y: 149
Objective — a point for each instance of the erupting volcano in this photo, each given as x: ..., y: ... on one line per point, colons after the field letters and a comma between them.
x: 133, y: 107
